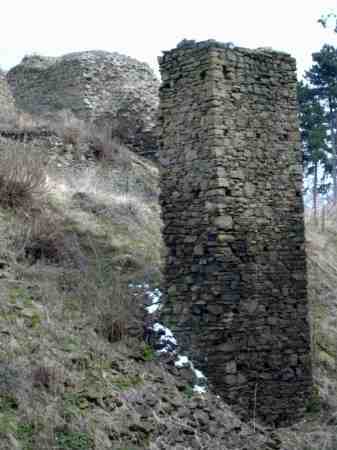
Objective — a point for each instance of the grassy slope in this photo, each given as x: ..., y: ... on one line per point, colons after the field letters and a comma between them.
x: 63, y: 383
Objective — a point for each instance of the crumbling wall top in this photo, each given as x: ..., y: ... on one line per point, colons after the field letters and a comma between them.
x: 189, y: 44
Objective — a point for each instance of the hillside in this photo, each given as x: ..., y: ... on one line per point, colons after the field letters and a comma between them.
x: 79, y: 254
x: 78, y: 259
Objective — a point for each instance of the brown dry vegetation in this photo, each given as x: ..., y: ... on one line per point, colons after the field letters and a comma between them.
x: 71, y: 241
x: 23, y: 179
x: 100, y: 141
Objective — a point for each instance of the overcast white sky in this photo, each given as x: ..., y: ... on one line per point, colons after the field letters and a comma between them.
x: 143, y: 28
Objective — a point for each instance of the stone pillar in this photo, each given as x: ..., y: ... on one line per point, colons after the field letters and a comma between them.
x: 231, y: 197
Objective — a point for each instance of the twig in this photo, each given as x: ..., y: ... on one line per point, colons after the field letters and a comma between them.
x: 254, y: 411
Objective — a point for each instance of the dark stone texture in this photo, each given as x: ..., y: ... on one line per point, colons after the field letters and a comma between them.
x: 233, y: 213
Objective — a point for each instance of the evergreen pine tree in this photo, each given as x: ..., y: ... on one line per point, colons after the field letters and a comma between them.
x: 323, y: 79
x: 313, y: 136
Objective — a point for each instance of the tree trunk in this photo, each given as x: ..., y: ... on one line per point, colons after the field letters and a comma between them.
x: 314, y: 193
x: 323, y: 218
x: 334, y: 155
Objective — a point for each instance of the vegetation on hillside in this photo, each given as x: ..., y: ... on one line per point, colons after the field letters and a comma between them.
x: 72, y: 240
x: 80, y: 248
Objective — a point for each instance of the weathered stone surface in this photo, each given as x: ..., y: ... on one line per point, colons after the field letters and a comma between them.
x: 95, y: 85
x: 232, y: 181
x: 6, y: 99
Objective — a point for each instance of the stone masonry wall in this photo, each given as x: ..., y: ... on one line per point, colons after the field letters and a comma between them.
x: 7, y: 108
x: 233, y: 214
x: 104, y: 87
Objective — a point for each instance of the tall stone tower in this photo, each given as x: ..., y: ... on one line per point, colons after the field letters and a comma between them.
x: 233, y: 224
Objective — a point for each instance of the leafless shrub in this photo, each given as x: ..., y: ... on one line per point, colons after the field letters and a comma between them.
x: 48, y: 238
x: 118, y: 314
x: 45, y: 238
x: 107, y: 147
x: 103, y: 145
x: 69, y: 127
x: 100, y: 140
x: 43, y: 235
x: 105, y: 296
x: 112, y: 329
x: 23, y: 178
x: 48, y: 377
x: 71, y: 135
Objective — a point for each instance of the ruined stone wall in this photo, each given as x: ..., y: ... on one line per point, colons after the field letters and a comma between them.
x: 233, y: 214
x: 7, y: 109
x: 107, y: 88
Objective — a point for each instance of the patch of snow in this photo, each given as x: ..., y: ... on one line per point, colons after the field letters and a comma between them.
x: 154, y: 295
x: 199, y: 389
x: 198, y: 373
x: 153, y: 308
x: 137, y: 286
x: 167, y: 335
x: 167, y: 339
x: 182, y: 361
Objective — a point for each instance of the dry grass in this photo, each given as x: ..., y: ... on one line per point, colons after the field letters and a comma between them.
x: 86, y: 139
x: 103, y: 145
x: 41, y: 231
x: 106, y: 147
x: 74, y: 248
x: 71, y: 231
x: 46, y: 236
x: 321, y: 245
x: 23, y: 179
x: 105, y: 297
